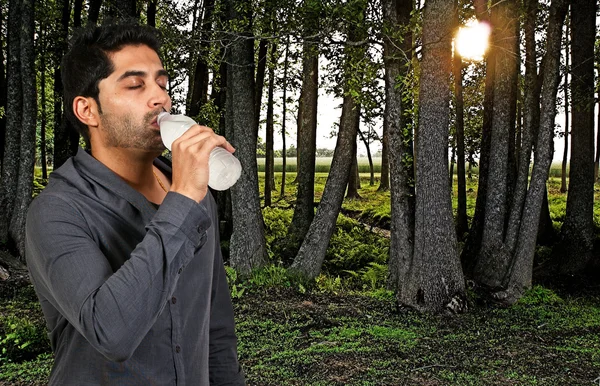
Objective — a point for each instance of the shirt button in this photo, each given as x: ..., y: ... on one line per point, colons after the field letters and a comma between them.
x: 173, y: 300
x: 177, y: 349
x: 199, y: 229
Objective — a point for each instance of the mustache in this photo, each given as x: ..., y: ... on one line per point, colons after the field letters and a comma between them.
x: 150, y: 116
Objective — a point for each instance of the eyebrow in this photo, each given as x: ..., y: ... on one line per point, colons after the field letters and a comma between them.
x: 130, y: 73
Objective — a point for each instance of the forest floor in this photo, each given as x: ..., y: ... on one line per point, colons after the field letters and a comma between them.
x: 287, y: 337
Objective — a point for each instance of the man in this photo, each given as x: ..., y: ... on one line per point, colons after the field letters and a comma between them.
x: 122, y: 247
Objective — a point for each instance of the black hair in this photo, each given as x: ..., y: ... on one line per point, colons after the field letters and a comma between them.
x: 87, y: 62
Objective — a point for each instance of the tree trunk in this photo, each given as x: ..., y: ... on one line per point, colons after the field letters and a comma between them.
x: 451, y: 171
x: 462, y: 224
x: 519, y: 277
x: 283, y: 119
x: 94, y: 11
x: 396, y: 14
x: 269, y: 157
x: 3, y: 91
x: 307, y: 133
x: 546, y: 234
x: 493, y: 259
x: 151, y: 13
x: 200, y: 84
x: 384, y: 180
x: 260, y: 80
x: 28, y: 126
x: 530, y: 127
x: 77, y: 8
x: 597, y: 161
x: 43, y: 157
x: 563, y: 176
x: 64, y: 136
x: 473, y: 242
x: 352, y: 191
x: 434, y: 282
x: 577, y: 233
x: 14, y: 114
x: 247, y: 247
x: 365, y: 140
x: 310, y: 257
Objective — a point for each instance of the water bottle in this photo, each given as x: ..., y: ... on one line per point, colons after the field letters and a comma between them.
x: 223, y: 168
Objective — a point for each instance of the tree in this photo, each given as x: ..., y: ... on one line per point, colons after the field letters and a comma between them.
x: 247, y: 246
x: 94, y: 11
x: 19, y: 162
x: 270, y: 161
x: 473, y: 242
x: 434, y: 280
x: 577, y: 232
x: 397, y: 49
x: 492, y: 261
x: 65, y: 140
x: 462, y: 225
x: 310, y: 257
x: 199, y: 93
x: 563, y: 174
x: 307, y: 129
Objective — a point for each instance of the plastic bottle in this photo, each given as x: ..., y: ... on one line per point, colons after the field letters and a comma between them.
x: 223, y: 168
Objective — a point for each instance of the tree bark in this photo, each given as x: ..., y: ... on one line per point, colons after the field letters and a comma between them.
x: 384, y: 179
x: 269, y: 157
x: 577, y: 233
x: 434, y: 281
x: 563, y: 175
x: 28, y: 126
x: 473, y: 243
x: 283, y: 118
x: 310, y: 257
x: 14, y: 114
x: 530, y: 126
x: 94, y: 11
x: 77, y: 8
x: 247, y: 247
x: 520, y: 274
x: 365, y: 140
x: 151, y: 13
x: 307, y: 133
x: 597, y: 160
x: 261, y: 68
x: 462, y: 224
x: 66, y: 139
x: 43, y: 156
x: 3, y: 91
x: 493, y: 259
x: 200, y: 84
x: 396, y: 59
x: 353, y: 178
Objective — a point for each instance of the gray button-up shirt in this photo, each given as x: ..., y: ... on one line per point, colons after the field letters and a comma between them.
x: 132, y: 295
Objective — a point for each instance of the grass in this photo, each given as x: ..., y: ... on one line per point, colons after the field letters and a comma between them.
x: 329, y: 333
x: 352, y: 338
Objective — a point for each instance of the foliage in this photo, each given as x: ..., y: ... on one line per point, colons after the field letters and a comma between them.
x: 22, y: 330
x: 539, y: 296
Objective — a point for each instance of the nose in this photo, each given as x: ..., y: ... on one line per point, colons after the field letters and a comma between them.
x: 159, y: 98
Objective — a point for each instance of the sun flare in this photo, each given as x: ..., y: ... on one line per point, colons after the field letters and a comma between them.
x: 472, y: 40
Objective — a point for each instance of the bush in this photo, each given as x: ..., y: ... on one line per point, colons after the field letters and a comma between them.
x: 21, y: 338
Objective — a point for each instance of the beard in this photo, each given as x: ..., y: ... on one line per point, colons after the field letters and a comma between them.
x: 124, y: 132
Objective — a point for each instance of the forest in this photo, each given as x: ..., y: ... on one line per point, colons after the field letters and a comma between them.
x: 455, y: 251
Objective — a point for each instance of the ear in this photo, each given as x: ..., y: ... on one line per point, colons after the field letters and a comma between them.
x: 86, y: 110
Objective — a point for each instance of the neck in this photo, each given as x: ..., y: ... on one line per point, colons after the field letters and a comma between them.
x: 133, y: 166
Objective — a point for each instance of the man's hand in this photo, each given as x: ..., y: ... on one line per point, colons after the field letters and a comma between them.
x: 190, y: 160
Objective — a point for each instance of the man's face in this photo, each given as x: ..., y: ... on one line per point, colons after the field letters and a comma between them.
x: 131, y: 99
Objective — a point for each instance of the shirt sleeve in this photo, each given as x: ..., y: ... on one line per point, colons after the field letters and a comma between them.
x: 113, y: 310
x: 225, y: 369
